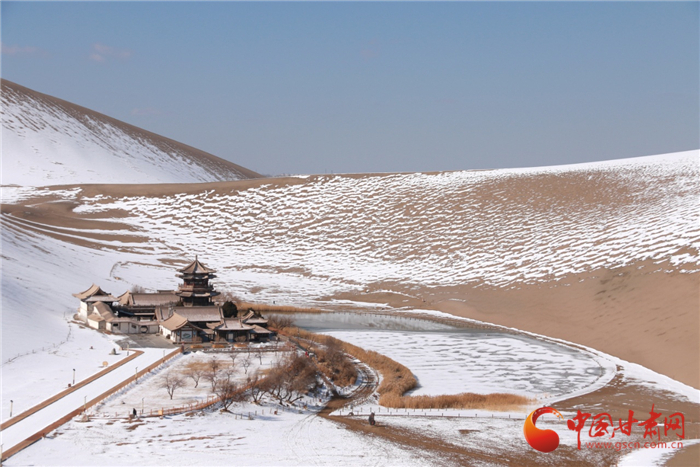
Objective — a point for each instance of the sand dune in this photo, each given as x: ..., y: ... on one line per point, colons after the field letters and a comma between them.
x: 604, y: 255
x: 49, y: 141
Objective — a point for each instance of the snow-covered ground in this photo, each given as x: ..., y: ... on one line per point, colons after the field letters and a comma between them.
x: 252, y: 434
x: 289, y: 438
x: 297, y: 244
x: 76, y: 399
x: 33, y: 378
x: 149, y: 395
x: 50, y: 142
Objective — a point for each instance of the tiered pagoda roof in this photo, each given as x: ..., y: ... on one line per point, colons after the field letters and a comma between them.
x: 196, y: 288
x: 196, y: 269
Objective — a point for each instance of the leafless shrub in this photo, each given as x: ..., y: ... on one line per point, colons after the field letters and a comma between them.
x: 396, y: 378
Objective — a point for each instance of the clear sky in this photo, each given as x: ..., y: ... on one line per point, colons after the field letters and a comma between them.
x: 363, y: 87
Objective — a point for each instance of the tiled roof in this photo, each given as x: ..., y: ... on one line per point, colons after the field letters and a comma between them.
x: 195, y: 267
x: 232, y: 324
x: 199, y: 313
x: 96, y: 292
x: 174, y: 322
x: 147, y: 299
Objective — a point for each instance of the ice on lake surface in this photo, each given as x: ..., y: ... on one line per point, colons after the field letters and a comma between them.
x: 451, y: 360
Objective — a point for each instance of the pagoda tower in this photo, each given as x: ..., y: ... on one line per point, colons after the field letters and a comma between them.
x: 196, y: 289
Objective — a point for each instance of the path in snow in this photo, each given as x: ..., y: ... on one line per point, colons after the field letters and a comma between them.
x: 36, y: 422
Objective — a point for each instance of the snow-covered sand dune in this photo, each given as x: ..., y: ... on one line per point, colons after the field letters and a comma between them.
x: 48, y: 141
x: 498, y: 228
x: 308, y: 240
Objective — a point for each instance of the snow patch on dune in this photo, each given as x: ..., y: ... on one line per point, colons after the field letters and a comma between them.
x: 496, y: 227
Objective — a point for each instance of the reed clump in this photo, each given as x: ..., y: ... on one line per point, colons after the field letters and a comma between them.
x: 467, y: 400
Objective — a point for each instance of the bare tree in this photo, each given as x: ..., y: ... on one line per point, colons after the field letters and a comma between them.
x: 233, y: 356
x: 228, y: 393
x: 279, y: 322
x: 196, y: 371
x: 246, y: 362
x: 290, y: 378
x: 171, y: 383
x: 228, y: 296
x: 214, y: 364
x: 256, y: 387
x: 301, y: 375
x: 227, y: 374
x: 259, y: 355
x: 212, y: 372
x: 212, y: 378
x: 335, y: 364
x: 273, y: 383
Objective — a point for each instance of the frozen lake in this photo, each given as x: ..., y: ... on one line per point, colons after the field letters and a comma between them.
x: 451, y: 360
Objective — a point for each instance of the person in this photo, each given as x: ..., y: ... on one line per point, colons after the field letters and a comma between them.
x: 371, y: 418
x: 134, y: 413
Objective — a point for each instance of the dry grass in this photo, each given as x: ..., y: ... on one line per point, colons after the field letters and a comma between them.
x: 467, y: 400
x: 397, y: 380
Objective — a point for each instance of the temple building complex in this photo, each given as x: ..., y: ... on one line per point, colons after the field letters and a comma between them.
x: 189, y: 314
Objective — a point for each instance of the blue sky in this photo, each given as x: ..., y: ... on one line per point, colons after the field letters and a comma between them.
x: 363, y: 87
